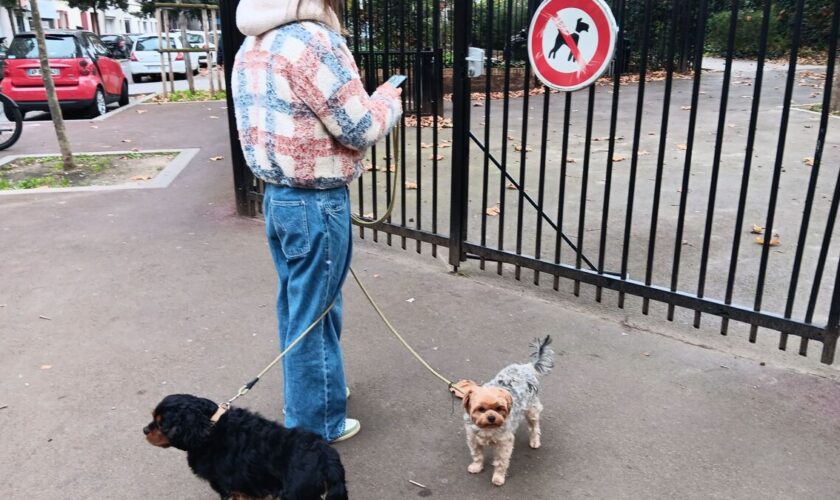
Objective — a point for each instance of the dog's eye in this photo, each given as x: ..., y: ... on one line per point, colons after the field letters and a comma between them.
x: 499, y: 408
x: 481, y: 409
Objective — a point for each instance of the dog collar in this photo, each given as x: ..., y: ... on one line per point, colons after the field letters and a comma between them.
x: 216, y: 416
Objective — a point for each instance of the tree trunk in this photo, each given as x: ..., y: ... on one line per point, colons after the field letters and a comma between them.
x: 52, y: 99
x: 94, y: 22
x: 182, y: 23
x: 835, y: 89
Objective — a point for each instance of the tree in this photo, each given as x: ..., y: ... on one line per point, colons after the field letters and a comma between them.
x: 49, y: 84
x: 96, y: 6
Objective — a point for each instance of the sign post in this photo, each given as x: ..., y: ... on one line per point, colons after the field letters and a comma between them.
x: 571, y: 42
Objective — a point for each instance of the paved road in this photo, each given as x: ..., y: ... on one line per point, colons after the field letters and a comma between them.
x: 150, y: 292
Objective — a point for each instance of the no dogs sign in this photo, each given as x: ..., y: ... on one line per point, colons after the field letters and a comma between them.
x: 571, y: 42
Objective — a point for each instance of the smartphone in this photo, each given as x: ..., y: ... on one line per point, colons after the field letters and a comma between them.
x: 397, y: 80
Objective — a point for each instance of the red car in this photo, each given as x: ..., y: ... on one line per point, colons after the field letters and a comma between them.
x: 86, y: 77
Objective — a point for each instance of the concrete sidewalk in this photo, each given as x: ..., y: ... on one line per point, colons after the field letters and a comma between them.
x: 151, y: 292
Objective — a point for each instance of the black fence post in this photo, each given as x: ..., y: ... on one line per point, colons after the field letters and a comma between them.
x: 231, y: 41
x: 460, y: 135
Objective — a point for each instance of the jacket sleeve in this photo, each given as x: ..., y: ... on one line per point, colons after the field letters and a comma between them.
x: 325, y: 79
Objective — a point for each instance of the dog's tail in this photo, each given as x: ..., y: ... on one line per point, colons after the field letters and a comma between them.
x: 334, y: 475
x: 543, y: 355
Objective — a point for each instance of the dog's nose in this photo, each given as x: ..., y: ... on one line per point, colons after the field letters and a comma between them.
x: 491, y: 418
x: 146, y: 430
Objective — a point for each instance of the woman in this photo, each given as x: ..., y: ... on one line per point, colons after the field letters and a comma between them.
x: 305, y: 123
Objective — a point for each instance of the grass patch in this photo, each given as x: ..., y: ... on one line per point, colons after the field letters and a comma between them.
x: 818, y: 109
x: 34, y: 172
x: 188, y: 96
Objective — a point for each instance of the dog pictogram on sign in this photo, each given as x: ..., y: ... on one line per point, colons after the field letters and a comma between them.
x: 571, y: 42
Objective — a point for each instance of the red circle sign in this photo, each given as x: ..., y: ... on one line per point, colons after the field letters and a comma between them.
x: 571, y: 42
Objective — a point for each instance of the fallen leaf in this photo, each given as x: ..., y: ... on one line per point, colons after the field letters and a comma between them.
x: 808, y: 160
x: 216, y: 158
x: 141, y: 111
x: 425, y: 145
x: 126, y: 140
x: 213, y: 117
x: 493, y: 211
x: 367, y: 166
x: 477, y: 104
x: 774, y: 242
x: 510, y: 137
x: 757, y: 229
x: 511, y: 185
x: 617, y: 158
x: 643, y: 152
x: 682, y: 147
x: 93, y: 126
x: 730, y: 125
x: 685, y: 108
x: 141, y: 177
x: 444, y: 145
x: 438, y: 157
x: 518, y: 147
x: 392, y: 168
x: 411, y: 185
x: 571, y: 160
x: 45, y: 317
x: 410, y: 300
x: 46, y: 367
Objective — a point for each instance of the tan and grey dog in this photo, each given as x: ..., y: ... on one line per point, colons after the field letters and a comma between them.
x: 495, y: 410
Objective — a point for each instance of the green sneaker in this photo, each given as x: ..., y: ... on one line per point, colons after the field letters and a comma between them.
x: 351, y: 428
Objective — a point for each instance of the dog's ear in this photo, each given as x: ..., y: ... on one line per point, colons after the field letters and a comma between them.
x: 508, y: 399
x: 467, y: 394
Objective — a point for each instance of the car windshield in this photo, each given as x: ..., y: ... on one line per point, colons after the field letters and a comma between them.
x: 108, y: 38
x: 58, y: 47
x: 194, y: 38
x: 151, y: 44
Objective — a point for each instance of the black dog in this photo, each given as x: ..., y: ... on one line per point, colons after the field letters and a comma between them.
x: 560, y: 41
x: 244, y: 454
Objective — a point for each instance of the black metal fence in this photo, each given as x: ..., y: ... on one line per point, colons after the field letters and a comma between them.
x: 711, y: 191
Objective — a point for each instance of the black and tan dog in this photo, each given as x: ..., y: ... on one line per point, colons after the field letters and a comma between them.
x: 240, y: 453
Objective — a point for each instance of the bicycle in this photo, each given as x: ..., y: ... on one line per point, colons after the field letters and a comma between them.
x: 11, y: 123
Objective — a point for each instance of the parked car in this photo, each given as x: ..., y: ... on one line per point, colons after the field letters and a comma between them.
x: 85, y: 76
x: 145, y: 58
x: 196, y: 39
x: 119, y: 45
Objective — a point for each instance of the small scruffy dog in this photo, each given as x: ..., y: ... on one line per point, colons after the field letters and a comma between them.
x: 240, y: 453
x: 494, y: 410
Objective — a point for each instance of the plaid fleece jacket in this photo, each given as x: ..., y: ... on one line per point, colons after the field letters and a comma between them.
x: 304, y: 118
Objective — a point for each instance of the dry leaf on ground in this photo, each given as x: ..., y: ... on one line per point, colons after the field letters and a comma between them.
x: 493, y: 211
x: 682, y: 147
x: 808, y: 160
x: 126, y: 140
x: 756, y: 229
x: 141, y: 177
x: 774, y: 242
x: 617, y: 157
x: 411, y: 185
x: 571, y: 160
x: 685, y: 108
x: 216, y: 158
x: 438, y: 157
x: 511, y: 185
x: 425, y: 145
x: 141, y: 111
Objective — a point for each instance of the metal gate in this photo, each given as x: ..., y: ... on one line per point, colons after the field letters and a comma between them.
x: 711, y: 191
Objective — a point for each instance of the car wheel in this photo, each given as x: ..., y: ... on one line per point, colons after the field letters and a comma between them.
x: 136, y: 78
x: 124, y: 94
x: 99, y: 106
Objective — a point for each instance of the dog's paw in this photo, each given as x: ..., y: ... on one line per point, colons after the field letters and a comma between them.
x: 475, y: 468
x: 534, y: 442
x: 498, y: 479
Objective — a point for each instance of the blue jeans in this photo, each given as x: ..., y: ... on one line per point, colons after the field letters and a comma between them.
x: 309, y: 235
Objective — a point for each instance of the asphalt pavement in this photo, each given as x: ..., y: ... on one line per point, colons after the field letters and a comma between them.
x: 112, y: 300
